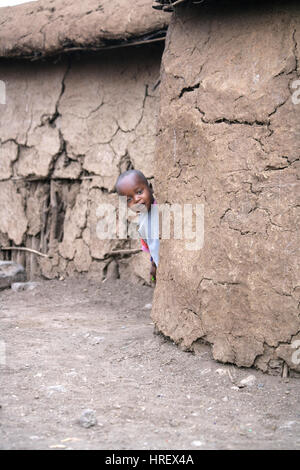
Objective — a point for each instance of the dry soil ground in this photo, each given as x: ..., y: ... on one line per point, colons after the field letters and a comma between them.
x: 79, y: 344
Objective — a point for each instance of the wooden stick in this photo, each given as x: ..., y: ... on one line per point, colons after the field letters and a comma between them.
x: 285, y: 371
x: 21, y: 248
x: 119, y: 252
x: 54, y: 213
x: 116, y: 252
x: 43, y: 240
x: 33, y: 259
x: 98, y: 49
x: 173, y: 4
x: 230, y: 376
x: 43, y: 179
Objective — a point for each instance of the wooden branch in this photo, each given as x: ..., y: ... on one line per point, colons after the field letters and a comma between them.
x: 97, y: 49
x: 54, y: 213
x: 43, y: 240
x: 177, y: 2
x: 122, y: 252
x: 21, y: 248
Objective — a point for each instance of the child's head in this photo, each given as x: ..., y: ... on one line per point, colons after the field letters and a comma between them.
x: 134, y: 185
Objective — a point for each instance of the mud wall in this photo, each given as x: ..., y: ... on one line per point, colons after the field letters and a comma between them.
x: 67, y: 131
x: 229, y: 134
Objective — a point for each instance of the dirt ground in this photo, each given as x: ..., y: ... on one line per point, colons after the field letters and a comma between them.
x: 73, y: 345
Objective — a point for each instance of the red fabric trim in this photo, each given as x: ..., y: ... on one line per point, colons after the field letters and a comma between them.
x: 145, y: 246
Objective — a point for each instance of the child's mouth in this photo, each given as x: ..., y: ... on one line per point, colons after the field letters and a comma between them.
x: 140, y: 207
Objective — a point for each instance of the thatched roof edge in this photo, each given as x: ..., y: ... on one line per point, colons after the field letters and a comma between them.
x: 45, y: 28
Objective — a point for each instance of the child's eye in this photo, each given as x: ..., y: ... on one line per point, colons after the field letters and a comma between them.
x: 129, y: 199
x: 139, y: 191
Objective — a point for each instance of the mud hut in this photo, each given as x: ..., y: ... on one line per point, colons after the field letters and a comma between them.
x: 79, y: 87
x: 229, y: 133
x: 80, y: 107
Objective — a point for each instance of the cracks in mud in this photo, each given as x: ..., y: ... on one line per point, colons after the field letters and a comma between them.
x: 296, y: 52
x: 189, y: 89
x: 288, y: 165
x: 216, y: 283
x: 261, y: 124
x: 47, y: 119
x: 255, y: 122
x: 55, y: 192
x: 232, y: 122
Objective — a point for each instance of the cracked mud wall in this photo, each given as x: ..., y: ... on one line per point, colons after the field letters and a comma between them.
x: 229, y: 136
x: 67, y: 131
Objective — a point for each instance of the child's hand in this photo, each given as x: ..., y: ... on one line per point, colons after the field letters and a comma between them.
x: 153, y: 272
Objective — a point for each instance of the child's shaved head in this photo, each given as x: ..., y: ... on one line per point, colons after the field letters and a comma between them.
x: 137, y: 173
x: 134, y: 185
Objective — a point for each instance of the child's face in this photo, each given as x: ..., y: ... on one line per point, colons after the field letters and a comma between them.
x: 137, y: 191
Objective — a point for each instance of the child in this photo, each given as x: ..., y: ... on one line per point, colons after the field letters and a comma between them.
x: 134, y: 185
